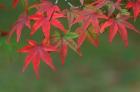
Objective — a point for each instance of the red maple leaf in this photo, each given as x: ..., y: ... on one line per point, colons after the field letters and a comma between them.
x: 90, y: 17
x: 118, y: 24
x: 45, y: 21
x: 135, y: 6
x: 36, y: 52
x: 22, y: 21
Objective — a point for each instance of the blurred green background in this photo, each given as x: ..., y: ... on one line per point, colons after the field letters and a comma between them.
x: 109, y: 68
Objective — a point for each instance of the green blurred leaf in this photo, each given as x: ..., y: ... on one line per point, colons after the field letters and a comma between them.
x: 71, y: 35
x: 125, y: 12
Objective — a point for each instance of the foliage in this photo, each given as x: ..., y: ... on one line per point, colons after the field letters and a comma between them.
x: 92, y: 18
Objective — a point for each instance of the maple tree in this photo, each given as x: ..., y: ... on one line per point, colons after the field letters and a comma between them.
x: 92, y: 17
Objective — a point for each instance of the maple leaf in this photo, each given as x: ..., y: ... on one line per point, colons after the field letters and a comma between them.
x: 64, y: 42
x: 118, y: 24
x: 36, y: 52
x: 89, y: 16
x: 22, y: 21
x: 15, y: 2
x: 135, y: 6
x: 45, y: 21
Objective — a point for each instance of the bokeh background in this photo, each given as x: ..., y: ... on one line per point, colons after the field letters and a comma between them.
x: 108, y: 68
